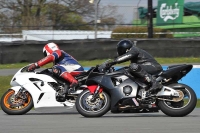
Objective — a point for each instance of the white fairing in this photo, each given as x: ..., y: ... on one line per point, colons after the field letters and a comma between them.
x: 42, y: 93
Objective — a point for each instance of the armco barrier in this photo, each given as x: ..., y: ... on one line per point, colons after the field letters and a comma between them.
x: 192, y: 79
x: 31, y: 51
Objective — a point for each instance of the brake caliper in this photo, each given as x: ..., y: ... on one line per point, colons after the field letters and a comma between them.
x: 101, y: 96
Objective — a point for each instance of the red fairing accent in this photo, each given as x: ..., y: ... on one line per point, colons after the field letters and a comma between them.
x: 46, y: 60
x: 92, y: 88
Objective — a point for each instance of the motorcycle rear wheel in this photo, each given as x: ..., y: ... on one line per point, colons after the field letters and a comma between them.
x: 89, y: 108
x: 15, y: 106
x: 183, y: 107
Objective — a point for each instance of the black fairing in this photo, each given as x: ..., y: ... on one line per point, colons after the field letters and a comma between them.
x: 176, y: 72
x: 84, y: 75
x: 115, y: 91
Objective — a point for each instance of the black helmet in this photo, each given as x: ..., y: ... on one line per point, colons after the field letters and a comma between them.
x: 123, y: 46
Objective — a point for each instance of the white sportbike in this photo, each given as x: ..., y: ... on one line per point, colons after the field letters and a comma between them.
x: 39, y: 90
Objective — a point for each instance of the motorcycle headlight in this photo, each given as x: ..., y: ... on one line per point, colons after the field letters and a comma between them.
x: 127, y: 90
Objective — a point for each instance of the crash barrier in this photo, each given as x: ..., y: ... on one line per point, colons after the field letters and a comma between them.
x: 90, y: 49
x: 192, y: 79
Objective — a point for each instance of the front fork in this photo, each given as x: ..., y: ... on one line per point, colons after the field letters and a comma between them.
x: 96, y: 90
x: 19, y: 97
x: 21, y: 94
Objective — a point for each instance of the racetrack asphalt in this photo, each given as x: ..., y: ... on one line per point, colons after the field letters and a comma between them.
x: 7, y: 72
x: 72, y: 122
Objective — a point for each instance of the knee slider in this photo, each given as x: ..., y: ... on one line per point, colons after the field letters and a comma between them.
x: 56, y: 71
x: 134, y: 67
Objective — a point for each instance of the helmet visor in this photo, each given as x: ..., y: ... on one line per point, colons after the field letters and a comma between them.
x: 45, y: 53
x: 121, y: 51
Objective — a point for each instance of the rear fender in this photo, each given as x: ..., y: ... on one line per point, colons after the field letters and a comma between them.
x: 92, y: 88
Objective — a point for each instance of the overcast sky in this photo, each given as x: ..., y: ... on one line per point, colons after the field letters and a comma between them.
x: 127, y: 7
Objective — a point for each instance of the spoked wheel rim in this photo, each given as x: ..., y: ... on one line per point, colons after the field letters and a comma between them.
x: 180, y: 103
x: 92, y: 106
x: 13, y: 103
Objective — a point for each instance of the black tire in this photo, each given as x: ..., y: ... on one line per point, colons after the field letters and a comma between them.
x: 6, y: 101
x: 179, y: 111
x: 82, y: 98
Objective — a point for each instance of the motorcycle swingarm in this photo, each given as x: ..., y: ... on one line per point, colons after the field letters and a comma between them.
x: 168, y: 92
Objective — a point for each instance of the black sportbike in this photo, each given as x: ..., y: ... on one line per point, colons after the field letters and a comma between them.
x: 119, y: 91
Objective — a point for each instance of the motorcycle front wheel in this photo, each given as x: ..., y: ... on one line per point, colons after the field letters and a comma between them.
x: 88, y: 107
x: 179, y: 107
x: 13, y: 105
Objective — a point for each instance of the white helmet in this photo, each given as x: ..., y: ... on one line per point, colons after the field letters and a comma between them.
x: 50, y: 48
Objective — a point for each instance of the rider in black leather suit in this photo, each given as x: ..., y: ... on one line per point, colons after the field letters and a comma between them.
x: 143, y: 65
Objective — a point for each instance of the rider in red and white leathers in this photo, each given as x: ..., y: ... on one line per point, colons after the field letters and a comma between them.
x: 65, y: 65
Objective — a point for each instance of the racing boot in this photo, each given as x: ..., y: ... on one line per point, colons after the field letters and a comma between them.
x: 74, y: 83
x: 155, y: 85
x: 74, y: 86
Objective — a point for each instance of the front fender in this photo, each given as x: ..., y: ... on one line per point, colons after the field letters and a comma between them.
x: 16, y: 89
x: 92, y: 88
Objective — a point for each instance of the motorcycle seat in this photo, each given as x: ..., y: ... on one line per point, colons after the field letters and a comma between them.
x: 157, y: 74
x: 173, y: 66
x: 178, y: 70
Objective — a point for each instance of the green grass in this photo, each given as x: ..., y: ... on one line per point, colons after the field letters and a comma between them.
x: 96, y: 62
x: 198, y: 103
x: 5, y: 85
x: 178, y: 60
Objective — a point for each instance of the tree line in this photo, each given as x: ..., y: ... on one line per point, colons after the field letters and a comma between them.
x: 17, y: 15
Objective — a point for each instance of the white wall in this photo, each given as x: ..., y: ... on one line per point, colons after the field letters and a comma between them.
x: 45, y: 35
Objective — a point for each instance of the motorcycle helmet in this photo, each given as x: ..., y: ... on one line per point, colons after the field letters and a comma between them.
x: 123, y: 46
x: 50, y: 48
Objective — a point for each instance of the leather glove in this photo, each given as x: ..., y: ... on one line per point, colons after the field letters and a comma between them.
x: 101, y: 68
x: 104, y: 67
x: 109, y: 64
x: 32, y: 67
